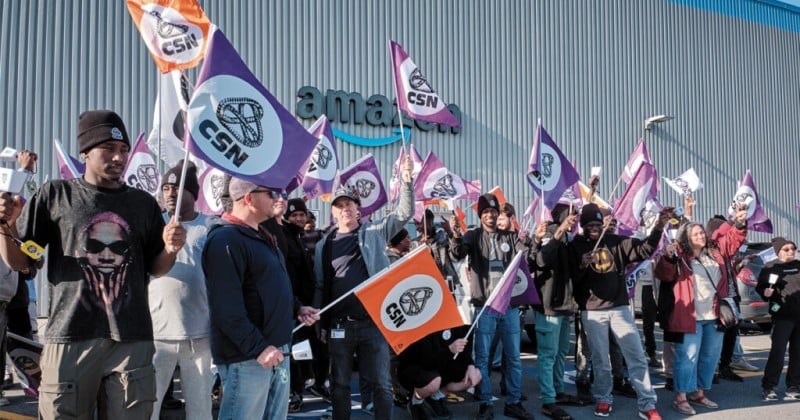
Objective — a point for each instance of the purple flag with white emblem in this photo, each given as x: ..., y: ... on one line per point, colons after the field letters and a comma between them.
x: 549, y: 171
x: 395, y: 182
x: 414, y: 95
x: 746, y: 195
x: 363, y: 177
x: 320, y: 173
x: 499, y: 299
x: 209, y: 200
x: 68, y: 166
x: 640, y: 155
x: 642, y: 188
x: 141, y: 171
x: 524, y: 291
x: 236, y: 125
x: 435, y: 181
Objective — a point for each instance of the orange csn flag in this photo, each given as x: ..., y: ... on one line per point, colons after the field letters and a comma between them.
x: 175, y: 31
x: 410, y: 300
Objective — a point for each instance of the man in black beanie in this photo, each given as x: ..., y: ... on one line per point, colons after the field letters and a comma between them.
x: 179, y: 306
x: 597, y: 269
x: 490, y: 252
x: 105, y: 240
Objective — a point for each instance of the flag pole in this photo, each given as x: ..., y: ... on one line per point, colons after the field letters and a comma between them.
x: 492, y: 296
x: 366, y: 283
x: 397, y: 99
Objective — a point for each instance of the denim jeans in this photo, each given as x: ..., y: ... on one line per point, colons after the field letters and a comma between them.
x: 509, y: 329
x: 251, y: 391
x: 621, y: 323
x: 696, y: 358
x: 552, y: 338
x: 365, y: 340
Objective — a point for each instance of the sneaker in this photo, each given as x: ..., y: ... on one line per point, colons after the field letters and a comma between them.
x: 322, y: 392
x: 517, y: 411
x: 729, y: 375
x: 653, y: 362
x: 485, y: 412
x: 4, y: 401
x: 769, y: 394
x: 439, y: 408
x: 295, y: 403
x: 419, y: 412
x: 369, y: 409
x: 623, y: 387
x: 792, y: 394
x: 744, y: 365
x: 603, y: 409
x: 400, y: 400
x: 650, y: 415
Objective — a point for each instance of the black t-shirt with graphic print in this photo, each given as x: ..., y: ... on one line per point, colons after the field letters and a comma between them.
x: 102, y: 244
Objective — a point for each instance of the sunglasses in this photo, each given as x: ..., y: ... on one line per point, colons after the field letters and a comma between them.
x: 272, y: 193
x: 93, y: 246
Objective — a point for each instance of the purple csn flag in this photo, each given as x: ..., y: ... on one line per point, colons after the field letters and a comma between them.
x: 642, y: 188
x: 320, y: 173
x: 435, y: 181
x: 746, y: 195
x: 141, y: 171
x: 524, y: 291
x: 363, y: 177
x: 236, y: 125
x: 209, y: 200
x: 394, y: 183
x: 169, y: 118
x: 530, y: 214
x: 414, y: 95
x: 500, y: 297
x: 549, y: 172
x: 68, y: 166
x: 640, y: 155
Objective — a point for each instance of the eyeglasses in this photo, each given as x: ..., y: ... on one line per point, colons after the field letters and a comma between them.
x: 93, y: 246
x: 273, y: 194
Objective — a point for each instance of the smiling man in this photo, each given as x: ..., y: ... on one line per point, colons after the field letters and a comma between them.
x: 105, y: 239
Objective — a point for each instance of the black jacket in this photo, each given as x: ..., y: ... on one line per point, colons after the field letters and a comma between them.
x: 549, y: 264
x: 299, y: 264
x: 787, y: 288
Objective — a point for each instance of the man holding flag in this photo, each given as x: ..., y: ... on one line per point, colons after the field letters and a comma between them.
x: 490, y: 252
x: 597, y: 264
x: 347, y: 256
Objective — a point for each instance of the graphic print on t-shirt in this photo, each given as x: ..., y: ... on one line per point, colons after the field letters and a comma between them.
x: 104, y: 259
x: 603, y: 261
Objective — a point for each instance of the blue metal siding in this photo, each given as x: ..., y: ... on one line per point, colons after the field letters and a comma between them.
x: 592, y: 71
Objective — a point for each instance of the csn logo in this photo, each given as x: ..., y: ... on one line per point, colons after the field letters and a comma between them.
x: 411, y: 303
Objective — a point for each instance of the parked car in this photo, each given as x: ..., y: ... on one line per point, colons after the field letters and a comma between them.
x: 752, y: 307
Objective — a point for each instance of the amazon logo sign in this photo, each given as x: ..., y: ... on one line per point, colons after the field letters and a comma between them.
x: 351, y: 108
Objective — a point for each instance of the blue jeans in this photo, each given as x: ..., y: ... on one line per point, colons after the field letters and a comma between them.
x: 696, y: 358
x: 508, y: 327
x: 364, y: 339
x: 619, y: 320
x: 552, y: 338
x: 251, y: 391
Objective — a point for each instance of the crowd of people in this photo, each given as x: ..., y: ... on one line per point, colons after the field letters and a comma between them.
x: 140, y: 287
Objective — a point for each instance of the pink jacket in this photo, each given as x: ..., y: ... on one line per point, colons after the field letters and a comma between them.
x: 683, y: 319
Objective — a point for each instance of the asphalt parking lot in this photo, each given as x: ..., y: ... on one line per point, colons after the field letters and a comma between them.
x: 737, y: 400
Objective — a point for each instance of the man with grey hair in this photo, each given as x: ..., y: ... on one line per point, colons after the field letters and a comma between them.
x: 251, y: 306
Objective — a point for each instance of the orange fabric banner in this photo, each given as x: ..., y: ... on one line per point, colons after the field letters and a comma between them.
x: 410, y: 300
x: 175, y: 31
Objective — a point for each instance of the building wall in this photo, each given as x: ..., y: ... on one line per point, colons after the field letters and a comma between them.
x: 591, y: 71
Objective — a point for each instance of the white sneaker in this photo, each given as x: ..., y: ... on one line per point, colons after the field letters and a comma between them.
x: 4, y: 401
x: 743, y: 364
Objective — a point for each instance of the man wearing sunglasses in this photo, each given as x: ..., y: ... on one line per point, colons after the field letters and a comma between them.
x: 105, y: 239
x: 251, y: 306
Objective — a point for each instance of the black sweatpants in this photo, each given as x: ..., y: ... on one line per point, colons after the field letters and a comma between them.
x: 783, y: 332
